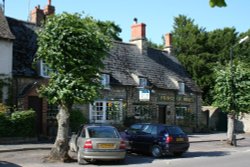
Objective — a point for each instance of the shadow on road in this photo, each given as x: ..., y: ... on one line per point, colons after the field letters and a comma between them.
x: 130, y: 159
x: 141, y: 159
x: 205, y: 154
x: 8, y: 164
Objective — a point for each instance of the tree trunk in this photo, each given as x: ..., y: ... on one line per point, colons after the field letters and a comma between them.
x: 231, y: 129
x: 59, y: 151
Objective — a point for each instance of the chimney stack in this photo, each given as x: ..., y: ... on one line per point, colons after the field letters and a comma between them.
x: 138, y: 36
x: 38, y: 15
x: 49, y: 9
x: 168, y: 42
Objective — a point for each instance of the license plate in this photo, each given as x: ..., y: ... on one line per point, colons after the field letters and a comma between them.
x: 106, y: 146
x: 179, y: 139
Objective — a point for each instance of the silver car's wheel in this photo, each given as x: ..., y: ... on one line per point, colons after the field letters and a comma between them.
x: 79, y: 159
x: 156, y: 151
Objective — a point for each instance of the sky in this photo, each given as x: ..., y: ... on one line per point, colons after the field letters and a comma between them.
x: 158, y: 15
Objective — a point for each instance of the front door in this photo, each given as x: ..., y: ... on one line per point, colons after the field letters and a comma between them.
x: 162, y: 114
x: 35, y: 103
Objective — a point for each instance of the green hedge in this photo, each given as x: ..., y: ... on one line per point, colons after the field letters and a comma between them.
x: 17, y: 124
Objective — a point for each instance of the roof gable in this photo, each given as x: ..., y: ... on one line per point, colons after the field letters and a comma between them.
x: 24, y: 47
x: 5, y: 32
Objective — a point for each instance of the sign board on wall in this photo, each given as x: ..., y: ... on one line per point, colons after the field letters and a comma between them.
x: 144, y: 95
x: 179, y: 98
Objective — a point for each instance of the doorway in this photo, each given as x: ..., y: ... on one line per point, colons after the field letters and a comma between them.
x: 35, y: 103
x: 162, y: 114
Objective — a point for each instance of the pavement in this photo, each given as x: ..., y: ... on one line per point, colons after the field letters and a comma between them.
x: 193, y: 138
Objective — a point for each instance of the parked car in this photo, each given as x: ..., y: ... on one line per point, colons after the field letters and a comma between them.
x: 157, y: 139
x: 97, y: 142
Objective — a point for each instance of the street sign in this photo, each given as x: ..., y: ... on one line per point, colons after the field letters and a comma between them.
x: 144, y: 95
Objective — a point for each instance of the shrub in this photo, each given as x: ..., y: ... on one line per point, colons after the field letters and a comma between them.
x: 18, y: 124
x: 76, y: 119
x: 24, y: 123
x: 3, y: 108
x: 5, y: 125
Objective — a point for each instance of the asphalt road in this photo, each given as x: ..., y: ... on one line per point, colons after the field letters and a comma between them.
x: 200, y: 154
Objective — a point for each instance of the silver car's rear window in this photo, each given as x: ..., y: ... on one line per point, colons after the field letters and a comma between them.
x: 102, y: 132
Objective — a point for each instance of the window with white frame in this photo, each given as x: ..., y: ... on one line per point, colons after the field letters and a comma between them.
x: 106, y: 112
x: 181, y: 88
x: 105, y: 81
x: 180, y: 111
x: 44, y: 69
x: 143, y: 82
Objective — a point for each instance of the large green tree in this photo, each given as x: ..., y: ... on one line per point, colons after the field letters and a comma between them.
x: 200, y: 51
x: 231, y: 93
x: 189, y: 44
x: 73, y: 47
x: 188, y: 37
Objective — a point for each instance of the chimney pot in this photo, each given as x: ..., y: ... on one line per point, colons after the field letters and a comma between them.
x: 49, y: 9
x: 135, y: 20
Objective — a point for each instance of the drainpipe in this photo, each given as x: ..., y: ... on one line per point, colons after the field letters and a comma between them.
x: 175, y: 101
x: 196, y: 111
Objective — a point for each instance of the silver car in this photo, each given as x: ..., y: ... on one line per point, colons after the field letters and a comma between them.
x: 97, y: 142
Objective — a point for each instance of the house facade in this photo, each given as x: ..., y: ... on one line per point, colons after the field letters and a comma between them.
x: 140, y: 84
x: 6, y: 46
x: 143, y: 84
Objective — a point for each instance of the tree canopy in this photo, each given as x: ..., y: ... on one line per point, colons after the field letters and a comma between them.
x: 218, y: 3
x: 73, y: 48
x: 233, y: 98
x: 201, y: 51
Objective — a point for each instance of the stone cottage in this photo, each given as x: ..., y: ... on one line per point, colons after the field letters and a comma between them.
x: 140, y: 83
x: 145, y: 84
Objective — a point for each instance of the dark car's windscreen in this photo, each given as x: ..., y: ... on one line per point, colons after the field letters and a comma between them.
x: 102, y: 132
x: 174, y: 130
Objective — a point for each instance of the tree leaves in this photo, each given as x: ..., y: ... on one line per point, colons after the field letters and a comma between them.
x: 223, y: 91
x: 218, y: 3
x: 74, y: 47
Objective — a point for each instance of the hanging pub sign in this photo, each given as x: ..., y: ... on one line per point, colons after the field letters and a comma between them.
x: 144, y: 95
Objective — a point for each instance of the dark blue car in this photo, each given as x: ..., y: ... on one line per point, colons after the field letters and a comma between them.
x: 157, y: 139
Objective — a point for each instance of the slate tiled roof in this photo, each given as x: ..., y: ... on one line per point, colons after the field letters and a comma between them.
x: 160, y: 68
x: 5, y: 32
x: 24, y: 47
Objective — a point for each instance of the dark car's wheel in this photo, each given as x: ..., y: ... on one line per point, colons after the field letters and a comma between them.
x: 156, y: 151
x: 79, y: 159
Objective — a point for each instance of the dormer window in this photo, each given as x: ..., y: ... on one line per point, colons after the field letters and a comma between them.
x: 105, y: 81
x: 143, y: 82
x: 181, y: 88
x: 44, y: 69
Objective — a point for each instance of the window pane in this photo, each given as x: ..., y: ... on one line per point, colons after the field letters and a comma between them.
x: 181, y: 88
x: 107, y: 111
x: 180, y: 112
x: 105, y: 80
x: 143, y: 82
x: 102, y: 132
